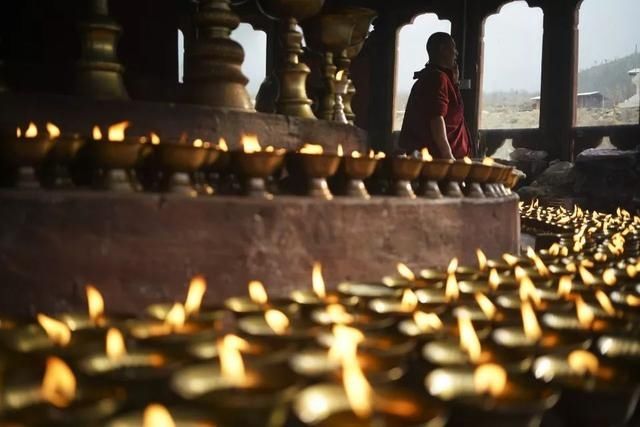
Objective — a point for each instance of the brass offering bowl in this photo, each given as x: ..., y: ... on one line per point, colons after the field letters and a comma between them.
x: 433, y: 171
x: 403, y: 171
x: 503, y: 179
x: 31, y: 339
x: 366, y: 291
x: 59, y: 160
x: 255, y: 168
x: 201, y: 176
x: 112, y: 163
x: 478, y: 174
x: 490, y: 187
x: 456, y: 174
x: 243, y: 306
x: 315, y: 169
x: 568, y: 321
x: 157, y: 334
x: 183, y: 415
x: 522, y: 402
x: 326, y: 404
x: 356, y: 170
x: 211, y: 315
x: 514, y: 338
x: 256, y: 328
x: 21, y: 157
x: 177, y: 164
x: 261, y: 394
x: 355, y: 318
x: 605, y: 396
x: 23, y: 404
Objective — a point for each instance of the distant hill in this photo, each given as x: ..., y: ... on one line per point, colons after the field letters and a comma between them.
x: 611, y: 78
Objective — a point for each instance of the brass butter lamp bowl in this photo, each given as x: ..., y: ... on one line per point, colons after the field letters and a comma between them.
x: 403, y: 171
x: 21, y: 156
x: 178, y: 162
x: 457, y: 174
x: 433, y: 171
x: 112, y: 163
x: 255, y: 168
x: 356, y: 170
x: 478, y: 175
x: 315, y: 169
x: 64, y: 151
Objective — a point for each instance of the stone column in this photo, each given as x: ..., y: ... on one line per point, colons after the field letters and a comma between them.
x: 383, y: 76
x: 559, y: 77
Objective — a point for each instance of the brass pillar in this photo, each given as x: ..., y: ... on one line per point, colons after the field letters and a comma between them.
x: 98, y: 72
x: 213, y: 62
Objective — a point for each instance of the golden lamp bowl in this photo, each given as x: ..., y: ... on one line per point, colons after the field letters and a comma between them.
x: 436, y: 170
x: 504, y: 176
x: 181, y: 157
x: 495, y: 174
x: 312, y: 165
x: 298, y: 9
x: 359, y: 167
x: 458, y: 171
x: 17, y: 152
x: 65, y: 148
x: 261, y: 164
x: 405, y: 168
x: 114, y: 154
x: 329, y: 32
x: 362, y: 17
x: 479, y: 173
x: 512, y: 180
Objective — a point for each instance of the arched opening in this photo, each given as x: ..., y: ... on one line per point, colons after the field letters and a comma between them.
x: 180, y: 56
x: 608, y: 63
x: 512, y: 68
x: 254, y: 43
x: 412, y: 56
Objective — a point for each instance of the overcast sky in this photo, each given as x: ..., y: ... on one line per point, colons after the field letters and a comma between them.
x: 609, y: 29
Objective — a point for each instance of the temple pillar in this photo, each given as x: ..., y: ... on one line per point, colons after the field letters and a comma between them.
x: 559, y: 77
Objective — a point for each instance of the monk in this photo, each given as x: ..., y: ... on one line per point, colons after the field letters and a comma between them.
x: 434, y: 117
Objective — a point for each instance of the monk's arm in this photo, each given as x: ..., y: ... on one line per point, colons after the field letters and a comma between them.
x: 439, y: 133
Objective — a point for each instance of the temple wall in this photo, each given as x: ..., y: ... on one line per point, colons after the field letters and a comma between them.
x: 142, y: 248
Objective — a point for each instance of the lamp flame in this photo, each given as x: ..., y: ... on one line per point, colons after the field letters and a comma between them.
x: 96, y: 133
x: 583, y: 362
x: 510, y: 259
x: 257, y: 293
x: 250, y: 143
x: 520, y: 273
x: 95, y: 304
x: 528, y: 291
x: 155, y: 139
x: 277, y: 321
x: 345, y: 343
x: 18, y: 132
x: 467, y: 160
x: 231, y: 363
x: 530, y: 322
x: 58, y: 384
x: 451, y: 290
x: 176, y: 316
x: 115, y: 345
x: 339, y: 75
x: 605, y: 302
x: 488, y: 161
x: 409, y: 300
x: 311, y: 149
x: 356, y: 154
x: 486, y: 305
x: 317, y: 281
x: 338, y: 314
x: 198, y: 143
x: 494, y: 279
x: 116, y: 131
x: 482, y: 259
x: 53, y: 130
x: 426, y: 156
x: 340, y: 151
x: 490, y: 378
x: 405, y: 272
x: 586, y: 276
x: 380, y: 155
x: 197, y: 288
x: 564, y: 286
x: 468, y: 338
x: 609, y: 277
x: 427, y: 322
x: 358, y: 390
x: 58, y: 332
x: 222, y: 145
x: 156, y: 415
x: 542, y: 269
x: 32, y: 131
x: 584, y: 313
x: 453, y: 266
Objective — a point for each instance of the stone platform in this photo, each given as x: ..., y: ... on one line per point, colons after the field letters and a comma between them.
x: 142, y: 248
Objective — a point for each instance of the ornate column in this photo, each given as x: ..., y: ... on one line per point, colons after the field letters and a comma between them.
x: 213, y: 74
x: 99, y: 74
x: 559, y: 76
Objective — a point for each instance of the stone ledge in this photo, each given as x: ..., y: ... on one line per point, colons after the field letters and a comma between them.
x: 142, y: 248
